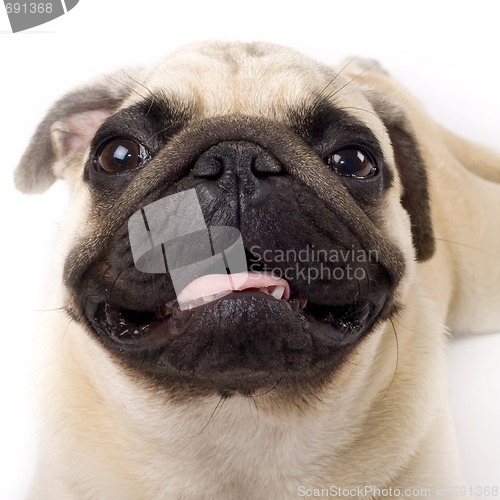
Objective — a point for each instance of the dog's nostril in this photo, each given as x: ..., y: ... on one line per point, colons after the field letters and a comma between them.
x: 264, y: 166
x: 212, y: 168
x: 240, y: 158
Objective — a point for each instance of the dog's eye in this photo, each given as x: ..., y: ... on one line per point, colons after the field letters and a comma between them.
x: 352, y: 162
x: 120, y: 155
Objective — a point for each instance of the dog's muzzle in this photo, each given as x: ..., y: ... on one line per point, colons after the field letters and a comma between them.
x: 193, y: 287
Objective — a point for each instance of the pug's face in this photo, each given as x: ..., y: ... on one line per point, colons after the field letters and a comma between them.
x: 296, y: 159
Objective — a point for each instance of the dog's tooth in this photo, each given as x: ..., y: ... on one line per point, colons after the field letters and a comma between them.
x: 302, y: 302
x: 218, y: 295
x: 200, y: 301
x: 264, y: 290
x: 278, y: 292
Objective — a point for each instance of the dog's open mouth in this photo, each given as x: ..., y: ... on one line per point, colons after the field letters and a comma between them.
x: 128, y: 326
x: 125, y: 326
x: 231, y: 329
x: 263, y: 314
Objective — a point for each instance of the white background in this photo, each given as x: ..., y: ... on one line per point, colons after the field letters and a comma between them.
x: 446, y: 52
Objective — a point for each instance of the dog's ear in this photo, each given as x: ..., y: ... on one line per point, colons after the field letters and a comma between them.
x: 392, y: 105
x: 413, y: 174
x: 67, y: 130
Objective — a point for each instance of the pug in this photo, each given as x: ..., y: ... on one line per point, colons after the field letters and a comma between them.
x: 259, y: 267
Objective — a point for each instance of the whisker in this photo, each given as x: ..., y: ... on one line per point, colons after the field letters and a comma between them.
x: 172, y: 124
x: 333, y: 94
x: 120, y: 82
x: 332, y: 81
x: 258, y: 418
x: 346, y: 65
x: 152, y: 103
x: 360, y: 109
x: 418, y: 332
x: 128, y: 75
x: 397, y: 360
x: 465, y: 245
x: 113, y: 285
x: 219, y: 404
x: 65, y: 333
x: 489, y: 254
x: 266, y: 392
x: 62, y: 308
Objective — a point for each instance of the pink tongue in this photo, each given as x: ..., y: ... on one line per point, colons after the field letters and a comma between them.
x: 212, y: 286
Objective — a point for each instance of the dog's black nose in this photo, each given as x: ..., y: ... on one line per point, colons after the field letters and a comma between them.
x: 244, y: 160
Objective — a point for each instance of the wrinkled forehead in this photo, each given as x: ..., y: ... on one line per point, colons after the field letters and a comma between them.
x: 256, y: 79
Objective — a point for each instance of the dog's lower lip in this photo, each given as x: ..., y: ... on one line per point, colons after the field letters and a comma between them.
x: 131, y: 328
x: 223, y: 345
x: 125, y: 326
